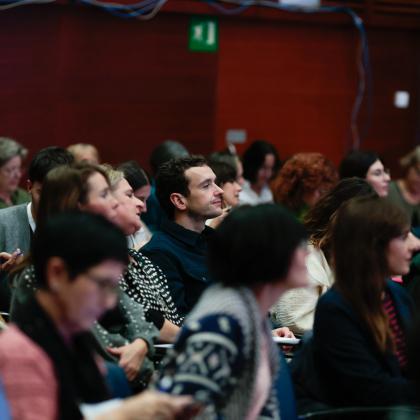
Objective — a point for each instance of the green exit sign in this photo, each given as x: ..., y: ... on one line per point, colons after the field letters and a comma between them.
x: 204, y: 34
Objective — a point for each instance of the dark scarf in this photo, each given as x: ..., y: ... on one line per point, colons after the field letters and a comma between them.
x: 79, y: 379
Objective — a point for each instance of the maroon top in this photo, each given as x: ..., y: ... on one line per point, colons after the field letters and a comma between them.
x: 397, y: 331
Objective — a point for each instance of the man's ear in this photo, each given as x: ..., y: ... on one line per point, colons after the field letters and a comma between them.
x: 29, y: 185
x: 179, y: 201
x: 56, y: 273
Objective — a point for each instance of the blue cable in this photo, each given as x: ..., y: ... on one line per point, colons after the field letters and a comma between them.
x: 228, y: 10
x: 130, y: 13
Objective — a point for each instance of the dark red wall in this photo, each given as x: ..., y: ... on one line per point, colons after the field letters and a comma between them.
x: 70, y: 73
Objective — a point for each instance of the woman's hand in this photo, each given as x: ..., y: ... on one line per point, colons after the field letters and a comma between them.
x: 131, y: 357
x: 283, y: 332
x: 8, y: 261
x: 168, y: 332
x: 217, y: 220
x: 286, y: 333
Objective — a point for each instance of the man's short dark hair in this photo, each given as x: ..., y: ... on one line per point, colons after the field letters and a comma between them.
x: 82, y: 240
x: 254, y: 245
x: 169, y: 149
x: 47, y: 159
x: 171, y: 179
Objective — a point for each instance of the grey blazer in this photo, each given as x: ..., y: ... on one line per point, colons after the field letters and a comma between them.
x: 15, y: 231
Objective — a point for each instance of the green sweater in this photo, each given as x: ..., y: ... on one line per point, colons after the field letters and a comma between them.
x: 18, y: 197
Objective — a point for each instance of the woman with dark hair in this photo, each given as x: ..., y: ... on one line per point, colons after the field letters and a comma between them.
x: 226, y: 179
x: 230, y: 158
x: 81, y: 186
x: 138, y: 179
x: 224, y: 356
x: 359, y: 335
x: 366, y: 165
x: 140, y: 184
x: 85, y: 187
x: 302, y: 181
x: 296, y: 308
x: 49, y: 364
x: 260, y: 163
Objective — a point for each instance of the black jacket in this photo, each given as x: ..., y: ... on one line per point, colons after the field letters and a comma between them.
x: 352, y: 370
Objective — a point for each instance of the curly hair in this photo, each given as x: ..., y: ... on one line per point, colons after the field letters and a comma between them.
x: 301, y: 174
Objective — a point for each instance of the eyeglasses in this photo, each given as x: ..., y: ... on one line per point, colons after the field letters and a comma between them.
x: 105, y: 285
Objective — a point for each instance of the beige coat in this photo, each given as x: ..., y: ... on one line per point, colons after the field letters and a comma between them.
x: 296, y: 308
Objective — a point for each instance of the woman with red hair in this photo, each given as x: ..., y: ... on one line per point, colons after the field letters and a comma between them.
x: 302, y: 181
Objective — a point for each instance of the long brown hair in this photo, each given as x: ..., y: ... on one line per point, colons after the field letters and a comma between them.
x: 361, y: 235
x: 64, y: 188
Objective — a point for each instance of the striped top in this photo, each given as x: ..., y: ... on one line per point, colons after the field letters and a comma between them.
x: 396, y: 330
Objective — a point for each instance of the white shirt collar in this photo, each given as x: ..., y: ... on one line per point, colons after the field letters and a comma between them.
x: 31, y: 220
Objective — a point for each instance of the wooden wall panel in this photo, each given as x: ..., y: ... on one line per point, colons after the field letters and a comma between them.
x: 295, y: 85
x: 288, y: 83
x: 395, y: 66
x: 74, y: 74
x: 71, y: 73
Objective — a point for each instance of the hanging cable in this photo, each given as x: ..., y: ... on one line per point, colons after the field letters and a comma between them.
x: 363, y: 62
x: 148, y: 9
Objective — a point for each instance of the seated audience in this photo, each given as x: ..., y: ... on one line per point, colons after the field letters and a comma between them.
x: 164, y: 152
x: 302, y: 181
x: 11, y: 156
x: 17, y: 223
x: 361, y: 323
x: 85, y: 187
x: 260, y: 163
x: 296, y: 308
x: 140, y: 183
x: 187, y: 192
x: 142, y: 281
x: 366, y: 165
x: 226, y: 179
x: 48, y: 363
x: 405, y: 192
x: 225, y: 357
x: 84, y: 152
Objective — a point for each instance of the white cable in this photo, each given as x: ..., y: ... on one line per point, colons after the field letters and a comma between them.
x: 154, y: 12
